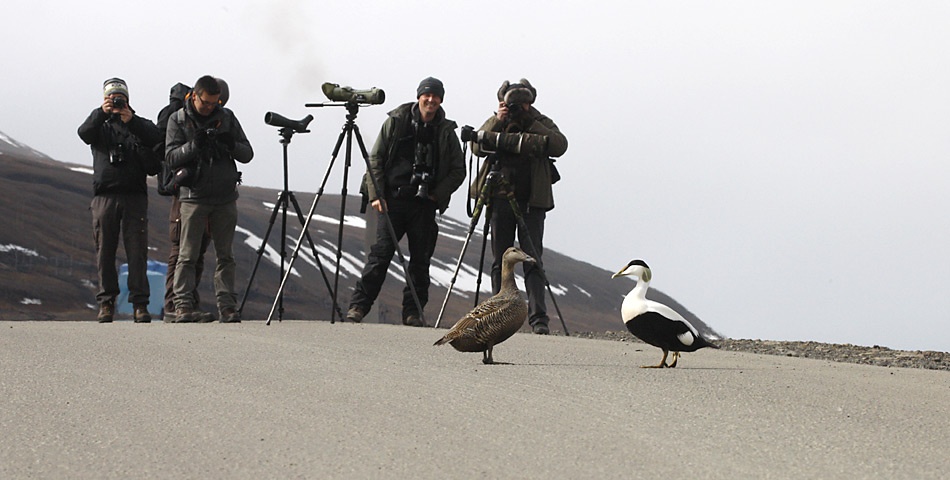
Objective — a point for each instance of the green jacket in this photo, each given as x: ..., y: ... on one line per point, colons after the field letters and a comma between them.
x: 449, y: 164
x: 552, y: 143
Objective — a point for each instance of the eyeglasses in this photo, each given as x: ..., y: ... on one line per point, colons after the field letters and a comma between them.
x: 205, y: 102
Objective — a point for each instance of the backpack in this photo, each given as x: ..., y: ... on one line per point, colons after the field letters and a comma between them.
x: 168, y: 184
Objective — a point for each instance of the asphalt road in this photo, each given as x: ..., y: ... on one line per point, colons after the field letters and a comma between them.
x: 315, y: 400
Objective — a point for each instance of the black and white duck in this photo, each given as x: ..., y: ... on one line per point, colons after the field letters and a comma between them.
x: 654, y: 322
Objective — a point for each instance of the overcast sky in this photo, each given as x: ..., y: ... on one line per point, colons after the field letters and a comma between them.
x: 781, y: 165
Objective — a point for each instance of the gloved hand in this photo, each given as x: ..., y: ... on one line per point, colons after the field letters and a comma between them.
x: 201, y: 138
x: 226, y: 140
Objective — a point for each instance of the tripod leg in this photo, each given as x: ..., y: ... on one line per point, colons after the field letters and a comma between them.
x: 316, y: 256
x: 303, y: 230
x: 483, y: 195
x: 481, y: 259
x: 260, y: 251
x: 532, y: 251
x: 389, y: 225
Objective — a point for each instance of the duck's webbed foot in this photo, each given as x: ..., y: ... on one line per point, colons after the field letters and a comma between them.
x: 662, y: 362
x: 676, y: 357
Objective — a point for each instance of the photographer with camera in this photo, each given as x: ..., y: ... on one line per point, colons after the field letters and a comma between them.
x: 177, y: 97
x: 122, y: 157
x: 520, y: 141
x: 204, y: 139
x: 417, y: 163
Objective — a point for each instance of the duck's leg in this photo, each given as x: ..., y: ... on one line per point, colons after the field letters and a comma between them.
x: 676, y: 357
x: 486, y: 356
x: 662, y: 362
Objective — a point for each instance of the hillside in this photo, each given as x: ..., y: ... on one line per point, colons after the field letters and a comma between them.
x: 47, y: 261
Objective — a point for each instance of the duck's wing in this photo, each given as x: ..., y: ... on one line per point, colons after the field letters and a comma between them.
x: 669, y: 313
x: 478, y: 318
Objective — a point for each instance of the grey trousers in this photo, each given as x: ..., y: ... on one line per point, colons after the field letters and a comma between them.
x: 220, y: 221
x: 126, y: 214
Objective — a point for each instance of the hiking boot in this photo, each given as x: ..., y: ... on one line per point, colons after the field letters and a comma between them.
x: 540, y: 328
x: 106, y: 312
x: 185, y: 315
x: 168, y: 316
x: 229, y: 315
x: 414, y: 321
x: 355, y: 314
x: 205, y: 317
x: 140, y: 313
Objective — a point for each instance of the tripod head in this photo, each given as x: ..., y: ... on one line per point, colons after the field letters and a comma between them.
x: 288, y: 127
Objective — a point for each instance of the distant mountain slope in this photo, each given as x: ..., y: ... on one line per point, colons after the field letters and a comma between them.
x: 47, y: 262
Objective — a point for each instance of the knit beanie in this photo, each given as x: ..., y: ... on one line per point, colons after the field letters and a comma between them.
x: 115, y: 85
x: 431, y: 85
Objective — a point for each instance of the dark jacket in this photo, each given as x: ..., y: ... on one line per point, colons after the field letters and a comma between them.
x: 213, y: 164
x: 122, y: 153
x: 449, y: 166
x: 539, y: 166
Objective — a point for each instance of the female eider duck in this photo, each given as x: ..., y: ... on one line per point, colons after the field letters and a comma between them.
x: 655, y: 323
x: 496, y: 319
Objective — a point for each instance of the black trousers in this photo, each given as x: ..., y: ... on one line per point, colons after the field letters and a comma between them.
x: 126, y: 214
x: 504, y: 225
x: 416, y: 220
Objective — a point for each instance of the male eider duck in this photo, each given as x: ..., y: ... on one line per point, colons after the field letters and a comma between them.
x: 655, y: 323
x: 496, y: 319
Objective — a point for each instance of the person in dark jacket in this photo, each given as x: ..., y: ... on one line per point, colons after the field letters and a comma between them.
x: 207, y: 139
x: 417, y: 163
x: 177, y: 97
x: 122, y: 156
x: 520, y: 142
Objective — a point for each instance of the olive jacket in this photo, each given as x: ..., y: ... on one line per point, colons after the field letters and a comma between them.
x: 449, y: 167
x: 541, y: 167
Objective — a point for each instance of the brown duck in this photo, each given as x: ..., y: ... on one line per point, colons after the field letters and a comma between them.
x: 495, y: 319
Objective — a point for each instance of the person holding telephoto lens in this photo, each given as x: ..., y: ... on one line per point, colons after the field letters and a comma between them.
x: 122, y: 156
x: 520, y: 142
x: 206, y: 139
x: 417, y: 163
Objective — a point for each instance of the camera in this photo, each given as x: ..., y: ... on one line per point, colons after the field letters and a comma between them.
x: 336, y: 93
x: 468, y: 134
x: 421, y: 176
x: 117, y: 154
x: 119, y: 103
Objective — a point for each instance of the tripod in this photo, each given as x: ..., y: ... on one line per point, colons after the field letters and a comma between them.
x: 286, y: 196
x: 496, y: 179
x: 349, y: 128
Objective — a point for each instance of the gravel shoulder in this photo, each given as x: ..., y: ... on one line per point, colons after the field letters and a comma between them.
x: 847, y: 353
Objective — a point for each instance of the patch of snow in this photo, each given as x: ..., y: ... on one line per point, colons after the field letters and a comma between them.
x: 31, y: 301
x: 269, y: 206
x: 88, y: 284
x: 349, y: 220
x: 82, y: 170
x: 271, y: 254
x: 16, y: 248
x: 582, y: 291
x: 349, y: 265
x: 92, y: 307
